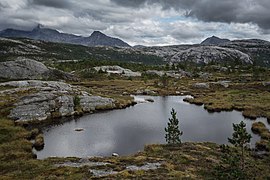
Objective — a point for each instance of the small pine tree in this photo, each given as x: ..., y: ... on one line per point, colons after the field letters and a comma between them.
x: 173, y: 133
x: 240, y: 139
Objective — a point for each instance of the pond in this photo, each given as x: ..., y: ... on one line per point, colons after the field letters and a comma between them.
x: 126, y: 131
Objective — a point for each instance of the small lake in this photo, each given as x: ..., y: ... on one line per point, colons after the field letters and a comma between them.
x: 126, y: 131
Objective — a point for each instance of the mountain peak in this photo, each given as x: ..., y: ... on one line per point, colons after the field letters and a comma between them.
x: 214, y: 40
x: 97, y: 33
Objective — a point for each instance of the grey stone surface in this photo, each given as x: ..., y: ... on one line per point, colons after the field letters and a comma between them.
x: 100, y: 173
x: 24, y: 68
x: 201, y: 85
x: 118, y: 70
x: 146, y: 167
x: 49, y: 99
x: 90, y: 103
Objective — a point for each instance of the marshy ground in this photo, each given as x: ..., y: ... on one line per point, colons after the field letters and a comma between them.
x: 188, y: 160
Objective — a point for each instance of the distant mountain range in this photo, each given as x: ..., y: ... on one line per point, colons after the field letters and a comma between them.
x: 51, y: 35
x: 211, y: 50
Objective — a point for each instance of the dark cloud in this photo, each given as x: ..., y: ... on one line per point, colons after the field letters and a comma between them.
x: 62, y: 4
x: 147, y: 22
x: 128, y: 3
x: 228, y: 11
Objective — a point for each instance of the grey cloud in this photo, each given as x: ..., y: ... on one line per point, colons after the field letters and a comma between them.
x: 63, y: 4
x: 128, y: 3
x: 240, y: 11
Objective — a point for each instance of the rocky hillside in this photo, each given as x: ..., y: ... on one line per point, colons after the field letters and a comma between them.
x: 39, y: 33
x: 44, y: 51
x: 258, y: 50
x: 252, y: 51
x: 200, y: 54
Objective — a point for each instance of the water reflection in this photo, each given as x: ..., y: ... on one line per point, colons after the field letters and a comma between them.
x: 127, y: 131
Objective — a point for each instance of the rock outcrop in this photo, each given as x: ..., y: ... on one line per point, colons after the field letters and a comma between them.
x: 23, y: 68
x: 201, y: 54
x: 201, y: 85
x: 118, y: 70
x: 51, y: 99
x: 173, y: 74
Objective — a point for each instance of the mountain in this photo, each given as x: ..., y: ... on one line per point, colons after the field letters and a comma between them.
x: 248, y: 51
x: 99, y: 39
x: 214, y: 41
x: 40, y: 33
x: 46, y: 51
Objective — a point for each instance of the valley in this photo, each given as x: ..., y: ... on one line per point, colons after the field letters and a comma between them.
x: 47, y: 83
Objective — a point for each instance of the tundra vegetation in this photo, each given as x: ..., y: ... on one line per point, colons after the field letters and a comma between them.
x: 222, y: 88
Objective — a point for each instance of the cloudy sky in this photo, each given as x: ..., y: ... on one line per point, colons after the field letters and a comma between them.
x: 146, y: 22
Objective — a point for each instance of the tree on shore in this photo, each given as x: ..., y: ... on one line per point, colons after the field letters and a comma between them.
x: 173, y: 133
x: 240, y: 139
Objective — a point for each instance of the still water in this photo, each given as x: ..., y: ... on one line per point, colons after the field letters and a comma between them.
x: 126, y: 131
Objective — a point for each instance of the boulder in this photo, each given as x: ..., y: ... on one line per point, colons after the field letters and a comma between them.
x: 201, y: 85
x: 23, y: 68
x: 92, y: 103
x: 118, y: 70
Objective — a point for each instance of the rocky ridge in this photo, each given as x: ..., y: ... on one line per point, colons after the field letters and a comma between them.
x: 40, y: 33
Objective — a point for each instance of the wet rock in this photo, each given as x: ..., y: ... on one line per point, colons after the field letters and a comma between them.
x: 149, y: 100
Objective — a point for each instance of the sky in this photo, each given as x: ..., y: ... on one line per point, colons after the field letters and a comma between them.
x: 143, y: 22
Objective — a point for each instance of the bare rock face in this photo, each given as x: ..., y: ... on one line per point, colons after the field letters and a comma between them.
x: 201, y: 85
x: 91, y: 103
x: 51, y: 99
x: 118, y: 70
x: 23, y: 68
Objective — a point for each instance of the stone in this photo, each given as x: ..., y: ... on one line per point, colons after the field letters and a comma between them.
x: 146, y: 167
x: 118, y: 70
x: 201, y: 85
x: 91, y: 103
x: 66, y: 105
x: 115, y: 155
x: 149, y: 100
x: 266, y: 83
x: 51, y: 99
x: 79, y: 129
x: 24, y: 68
